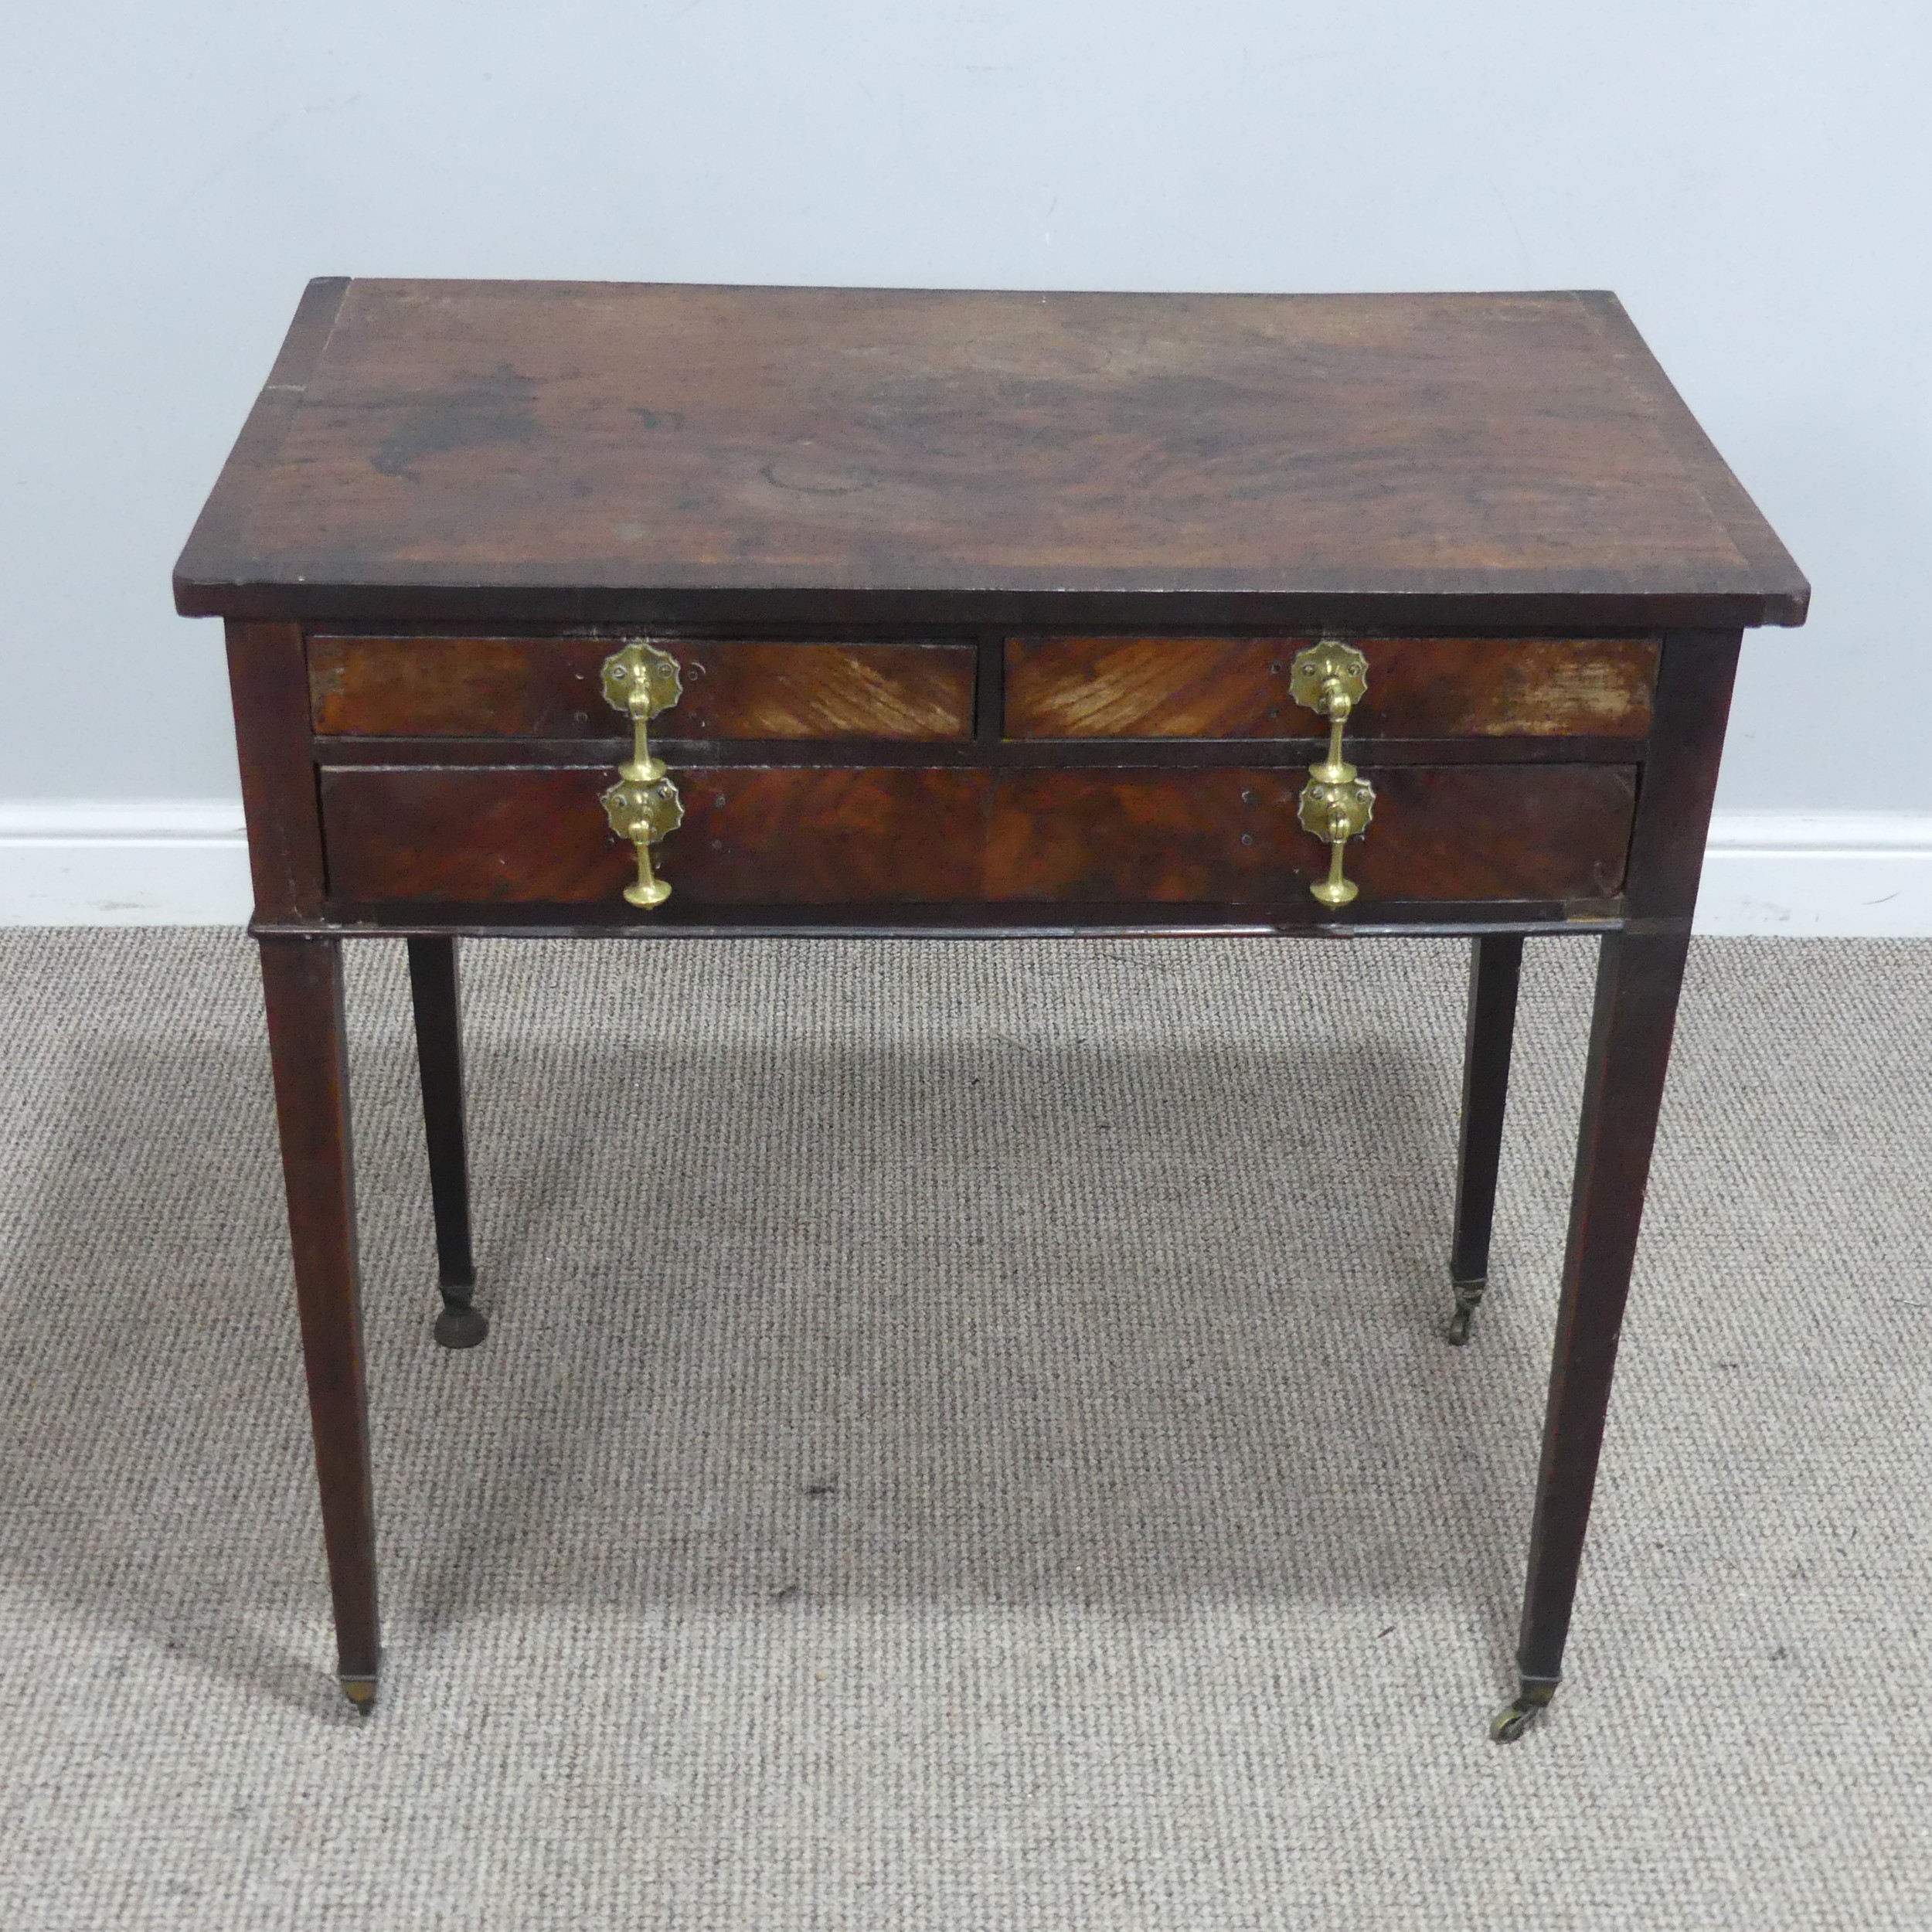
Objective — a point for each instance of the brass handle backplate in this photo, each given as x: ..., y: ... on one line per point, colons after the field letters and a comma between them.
x: 643, y: 806
x: 1330, y: 678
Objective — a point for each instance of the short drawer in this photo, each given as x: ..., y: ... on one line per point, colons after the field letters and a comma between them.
x: 444, y: 687
x: 1418, y: 688
x: 790, y: 835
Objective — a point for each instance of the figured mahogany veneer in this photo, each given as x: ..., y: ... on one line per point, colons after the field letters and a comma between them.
x: 764, y: 835
x: 435, y: 687
x: 791, y: 836
x: 639, y: 452
x: 1440, y: 832
x: 1418, y: 688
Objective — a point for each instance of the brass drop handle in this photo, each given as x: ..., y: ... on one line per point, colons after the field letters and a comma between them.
x: 643, y: 806
x: 1330, y: 678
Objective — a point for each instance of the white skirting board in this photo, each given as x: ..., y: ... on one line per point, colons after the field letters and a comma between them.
x: 183, y: 862
x: 135, y: 862
x: 1818, y: 875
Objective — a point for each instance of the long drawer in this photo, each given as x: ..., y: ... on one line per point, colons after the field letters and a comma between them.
x: 796, y: 835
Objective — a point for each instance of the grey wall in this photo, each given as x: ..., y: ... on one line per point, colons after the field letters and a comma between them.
x: 1751, y: 175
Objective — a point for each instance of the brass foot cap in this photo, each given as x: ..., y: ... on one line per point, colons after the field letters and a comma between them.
x: 460, y: 1326
x: 1515, y: 1717
x: 359, y: 1691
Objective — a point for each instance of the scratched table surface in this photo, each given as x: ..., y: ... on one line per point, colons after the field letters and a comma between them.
x: 946, y: 454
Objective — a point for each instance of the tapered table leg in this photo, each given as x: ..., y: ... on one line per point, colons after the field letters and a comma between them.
x: 302, y: 979
x: 1495, y: 967
x: 1638, y: 978
x: 439, y: 1056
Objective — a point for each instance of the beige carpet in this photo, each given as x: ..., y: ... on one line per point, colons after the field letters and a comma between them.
x: 966, y: 1442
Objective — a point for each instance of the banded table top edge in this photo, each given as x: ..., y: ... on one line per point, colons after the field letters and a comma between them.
x: 1220, y: 460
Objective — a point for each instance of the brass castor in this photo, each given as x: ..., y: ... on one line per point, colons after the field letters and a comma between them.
x: 1515, y: 1717
x: 1467, y: 1294
x: 460, y: 1325
x: 359, y: 1691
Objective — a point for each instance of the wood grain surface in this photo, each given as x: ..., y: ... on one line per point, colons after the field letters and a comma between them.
x: 1440, y: 832
x: 266, y: 684
x: 550, y: 444
x: 1639, y: 977
x: 784, y: 836
x: 548, y: 688
x: 1238, y: 687
x: 818, y: 836
x: 308, y: 1051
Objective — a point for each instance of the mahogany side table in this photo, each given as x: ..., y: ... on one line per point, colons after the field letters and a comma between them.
x: 648, y: 611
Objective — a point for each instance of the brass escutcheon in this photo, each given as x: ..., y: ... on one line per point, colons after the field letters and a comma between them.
x: 1330, y: 678
x: 643, y: 806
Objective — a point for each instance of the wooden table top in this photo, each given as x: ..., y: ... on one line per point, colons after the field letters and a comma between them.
x: 560, y: 452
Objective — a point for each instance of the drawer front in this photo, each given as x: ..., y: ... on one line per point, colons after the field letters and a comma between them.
x: 1418, y: 688
x: 751, y: 835
x: 779, y: 836
x: 548, y: 688
x: 1440, y: 832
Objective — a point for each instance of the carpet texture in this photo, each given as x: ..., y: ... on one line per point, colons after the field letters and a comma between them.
x: 966, y: 1442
